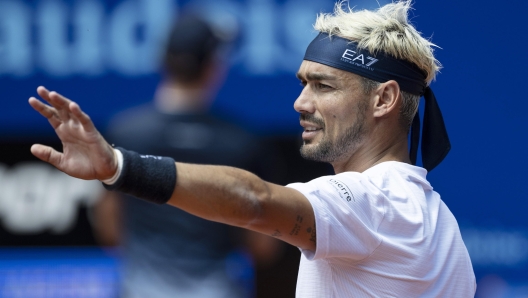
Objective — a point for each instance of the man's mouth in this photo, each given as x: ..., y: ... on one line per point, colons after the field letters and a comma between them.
x: 311, y: 125
x: 312, y: 129
x: 310, y: 132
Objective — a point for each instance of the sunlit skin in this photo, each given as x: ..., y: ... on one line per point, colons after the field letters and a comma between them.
x: 333, y: 106
x: 332, y: 102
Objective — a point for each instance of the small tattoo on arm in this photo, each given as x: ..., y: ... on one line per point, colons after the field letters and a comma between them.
x: 295, y: 230
x: 297, y: 227
x: 313, y: 236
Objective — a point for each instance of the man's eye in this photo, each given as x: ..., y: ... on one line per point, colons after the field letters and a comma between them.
x: 303, y: 83
x: 323, y: 86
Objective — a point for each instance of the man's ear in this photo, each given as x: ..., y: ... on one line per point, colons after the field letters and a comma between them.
x: 387, y: 98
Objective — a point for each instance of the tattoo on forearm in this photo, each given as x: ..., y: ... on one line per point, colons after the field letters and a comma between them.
x: 295, y: 230
x: 313, y: 236
x: 297, y: 227
x: 276, y: 234
x: 299, y: 219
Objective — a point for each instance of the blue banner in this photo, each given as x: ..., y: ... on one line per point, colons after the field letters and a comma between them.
x: 105, y: 55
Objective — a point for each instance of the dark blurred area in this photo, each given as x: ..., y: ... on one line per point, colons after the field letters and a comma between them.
x: 276, y: 278
x: 106, y: 56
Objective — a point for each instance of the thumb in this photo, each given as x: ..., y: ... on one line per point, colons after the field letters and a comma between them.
x: 47, y: 154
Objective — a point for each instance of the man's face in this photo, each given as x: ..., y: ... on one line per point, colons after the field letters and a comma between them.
x: 333, y: 110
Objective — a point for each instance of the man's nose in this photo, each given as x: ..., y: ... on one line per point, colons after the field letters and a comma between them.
x: 304, y: 103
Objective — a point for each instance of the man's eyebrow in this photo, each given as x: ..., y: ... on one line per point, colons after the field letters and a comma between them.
x: 299, y: 76
x: 316, y: 76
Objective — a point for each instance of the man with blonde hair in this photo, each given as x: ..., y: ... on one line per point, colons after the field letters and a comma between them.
x: 376, y: 228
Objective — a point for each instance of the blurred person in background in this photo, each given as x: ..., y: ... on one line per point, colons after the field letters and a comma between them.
x: 169, y: 252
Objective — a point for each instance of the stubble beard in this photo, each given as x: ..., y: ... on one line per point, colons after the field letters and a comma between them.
x: 330, y: 151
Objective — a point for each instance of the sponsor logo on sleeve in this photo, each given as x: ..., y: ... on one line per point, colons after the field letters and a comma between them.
x: 342, y: 189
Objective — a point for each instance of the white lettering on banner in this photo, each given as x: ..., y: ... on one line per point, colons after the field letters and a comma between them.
x: 274, y: 34
x: 15, y: 39
x: 83, y: 38
x: 127, y: 39
x: 129, y: 56
x: 496, y: 247
x: 298, y: 17
x: 34, y: 197
x: 88, y: 54
x: 100, y: 41
x: 261, y: 42
x: 54, y: 51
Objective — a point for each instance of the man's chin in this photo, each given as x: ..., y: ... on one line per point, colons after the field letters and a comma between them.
x: 308, y: 146
x: 309, y: 151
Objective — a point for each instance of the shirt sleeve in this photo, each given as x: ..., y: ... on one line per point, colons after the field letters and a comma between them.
x: 348, y: 211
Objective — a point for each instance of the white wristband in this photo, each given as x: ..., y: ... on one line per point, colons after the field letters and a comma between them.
x: 113, y: 180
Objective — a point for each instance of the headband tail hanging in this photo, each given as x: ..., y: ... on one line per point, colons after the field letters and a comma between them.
x: 435, y: 141
x: 415, y: 138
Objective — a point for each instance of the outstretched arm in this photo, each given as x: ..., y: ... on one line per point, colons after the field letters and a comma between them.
x: 237, y: 197
x: 223, y: 194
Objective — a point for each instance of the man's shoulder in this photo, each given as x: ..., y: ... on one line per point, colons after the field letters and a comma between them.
x: 395, y: 173
x: 342, y: 184
x: 373, y: 181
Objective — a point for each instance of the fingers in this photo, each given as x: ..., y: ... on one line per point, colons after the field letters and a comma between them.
x: 47, y: 154
x: 59, y: 99
x: 46, y: 111
x: 43, y: 92
x: 82, y: 117
x: 62, y: 104
x: 59, y: 102
x: 62, y: 109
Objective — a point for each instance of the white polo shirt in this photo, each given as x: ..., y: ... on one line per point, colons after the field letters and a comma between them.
x: 383, y: 233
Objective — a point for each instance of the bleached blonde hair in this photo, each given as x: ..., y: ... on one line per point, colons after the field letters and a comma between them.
x: 386, y: 29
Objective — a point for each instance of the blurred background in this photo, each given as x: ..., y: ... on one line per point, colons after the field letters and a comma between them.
x: 105, y: 54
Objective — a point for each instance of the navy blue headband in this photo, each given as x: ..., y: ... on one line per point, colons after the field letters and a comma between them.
x: 343, y: 54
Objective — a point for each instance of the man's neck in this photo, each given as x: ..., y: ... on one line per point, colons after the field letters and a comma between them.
x: 369, y: 154
x: 173, y: 98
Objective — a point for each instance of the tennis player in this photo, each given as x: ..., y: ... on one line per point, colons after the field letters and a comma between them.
x: 374, y: 229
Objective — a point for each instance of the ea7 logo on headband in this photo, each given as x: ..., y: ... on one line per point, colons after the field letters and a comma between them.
x: 351, y: 57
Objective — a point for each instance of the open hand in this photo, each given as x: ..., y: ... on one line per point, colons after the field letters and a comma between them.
x: 86, y: 153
